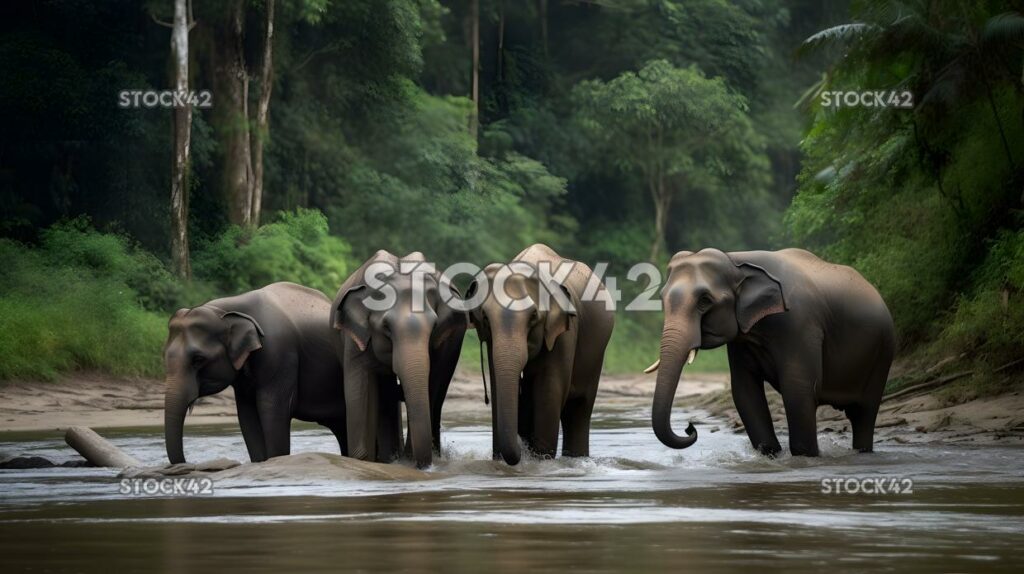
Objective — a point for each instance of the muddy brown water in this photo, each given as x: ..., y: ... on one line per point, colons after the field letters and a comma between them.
x: 634, y: 506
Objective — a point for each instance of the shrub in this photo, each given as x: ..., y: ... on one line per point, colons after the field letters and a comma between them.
x: 296, y: 247
x: 988, y: 322
x: 83, y: 299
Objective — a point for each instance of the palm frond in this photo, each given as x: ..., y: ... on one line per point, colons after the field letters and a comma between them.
x: 838, y: 34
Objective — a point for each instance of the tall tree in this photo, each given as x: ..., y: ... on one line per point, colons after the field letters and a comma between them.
x: 672, y: 126
x: 244, y: 128
x: 262, y: 115
x: 234, y: 74
x: 182, y: 141
x: 474, y: 38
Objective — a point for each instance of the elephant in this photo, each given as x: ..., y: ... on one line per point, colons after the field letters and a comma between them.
x: 399, y: 353
x: 544, y: 364
x: 817, y: 332
x: 273, y: 345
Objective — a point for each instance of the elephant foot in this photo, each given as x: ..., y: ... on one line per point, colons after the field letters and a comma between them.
x: 769, y: 450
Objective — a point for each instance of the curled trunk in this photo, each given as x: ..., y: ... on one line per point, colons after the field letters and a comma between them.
x: 179, y: 393
x: 676, y: 344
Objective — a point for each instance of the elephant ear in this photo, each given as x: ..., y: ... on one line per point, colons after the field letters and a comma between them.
x: 559, y: 320
x: 244, y: 337
x: 759, y: 294
x: 350, y: 316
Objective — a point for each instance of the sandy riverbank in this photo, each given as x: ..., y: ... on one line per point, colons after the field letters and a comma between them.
x: 103, y: 402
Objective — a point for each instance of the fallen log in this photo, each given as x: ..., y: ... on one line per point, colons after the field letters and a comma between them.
x: 926, y: 386
x: 98, y: 450
x: 943, y: 380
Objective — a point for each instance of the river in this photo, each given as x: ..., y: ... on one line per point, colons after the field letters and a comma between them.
x: 634, y: 506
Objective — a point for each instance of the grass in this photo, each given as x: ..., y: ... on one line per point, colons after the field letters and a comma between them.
x: 84, y: 324
x: 81, y: 299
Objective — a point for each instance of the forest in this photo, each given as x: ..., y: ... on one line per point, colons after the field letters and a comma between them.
x: 615, y: 131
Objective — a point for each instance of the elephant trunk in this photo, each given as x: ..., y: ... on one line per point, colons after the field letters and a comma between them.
x: 679, y: 341
x: 509, y: 358
x: 179, y: 393
x: 412, y: 365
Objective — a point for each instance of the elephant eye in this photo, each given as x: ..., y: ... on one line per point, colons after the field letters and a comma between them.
x: 198, y: 360
x: 705, y: 302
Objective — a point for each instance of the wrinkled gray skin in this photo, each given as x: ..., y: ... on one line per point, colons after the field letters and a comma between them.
x: 273, y: 345
x: 544, y: 365
x: 378, y: 349
x: 818, y: 333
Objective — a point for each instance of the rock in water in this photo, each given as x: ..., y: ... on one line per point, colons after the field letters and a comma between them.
x: 319, y: 466
x: 24, y: 462
x: 180, y: 469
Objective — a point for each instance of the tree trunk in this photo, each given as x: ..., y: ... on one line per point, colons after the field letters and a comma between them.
x: 662, y: 202
x: 499, y: 62
x: 262, y: 113
x: 474, y: 38
x: 182, y: 134
x: 237, y: 154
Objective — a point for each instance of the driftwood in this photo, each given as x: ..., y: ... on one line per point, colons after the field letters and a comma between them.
x: 98, y: 450
x: 927, y: 385
x: 943, y: 380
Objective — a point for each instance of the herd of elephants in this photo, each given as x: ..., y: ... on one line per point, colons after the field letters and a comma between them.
x: 818, y: 333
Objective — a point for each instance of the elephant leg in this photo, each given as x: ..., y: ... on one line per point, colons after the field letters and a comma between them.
x: 801, y: 416
x: 275, y: 419
x: 576, y: 425
x: 389, y: 421
x: 751, y: 403
x: 527, y: 408
x: 275, y: 396
x: 361, y: 403
x: 550, y: 391
x: 863, y: 415
x: 252, y: 431
x: 578, y: 409
x: 800, y: 378
x: 862, y: 420
x: 442, y: 369
x: 337, y: 426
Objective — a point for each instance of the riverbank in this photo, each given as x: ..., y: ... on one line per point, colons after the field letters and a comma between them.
x: 100, y: 401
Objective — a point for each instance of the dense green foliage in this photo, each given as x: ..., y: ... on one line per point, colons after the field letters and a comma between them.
x: 294, y: 248
x: 605, y: 129
x: 79, y: 301
x: 926, y: 202
x: 82, y: 299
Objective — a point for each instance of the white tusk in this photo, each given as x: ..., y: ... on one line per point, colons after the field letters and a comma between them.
x: 690, y: 358
x: 653, y: 367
